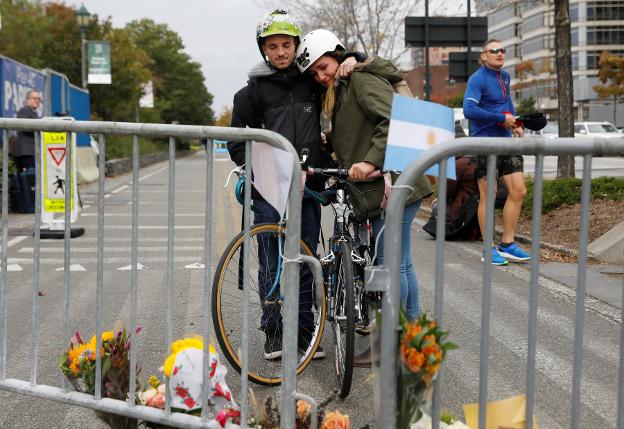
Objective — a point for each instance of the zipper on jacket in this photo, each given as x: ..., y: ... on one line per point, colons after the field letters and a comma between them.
x: 290, y: 93
x: 500, y: 81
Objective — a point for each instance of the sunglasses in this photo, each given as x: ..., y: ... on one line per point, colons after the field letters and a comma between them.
x: 496, y: 51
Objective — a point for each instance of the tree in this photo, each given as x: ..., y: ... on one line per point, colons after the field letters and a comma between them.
x: 526, y: 106
x: 372, y: 27
x: 180, y: 93
x: 456, y: 100
x: 225, y: 118
x: 565, y: 94
x: 611, y: 76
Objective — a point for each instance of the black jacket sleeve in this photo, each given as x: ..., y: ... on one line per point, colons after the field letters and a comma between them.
x: 243, y: 115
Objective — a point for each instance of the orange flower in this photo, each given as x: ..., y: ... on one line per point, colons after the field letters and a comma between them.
x: 415, y: 360
x: 335, y: 420
x: 429, y: 345
x: 303, y: 409
x: 75, y: 368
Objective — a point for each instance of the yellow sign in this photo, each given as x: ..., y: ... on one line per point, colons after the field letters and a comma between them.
x: 54, y: 167
x: 504, y: 414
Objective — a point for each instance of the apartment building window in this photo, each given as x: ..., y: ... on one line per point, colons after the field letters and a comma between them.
x: 514, y: 51
x: 502, y: 34
x: 593, y: 58
x: 575, y: 62
x: 532, y: 23
x: 511, y: 70
x: 605, y: 11
x: 574, y: 14
x: 605, y: 35
x: 574, y: 38
x: 533, y: 44
x: 503, y: 14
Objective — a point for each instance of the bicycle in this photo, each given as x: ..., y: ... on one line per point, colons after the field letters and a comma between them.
x: 344, y: 303
x: 350, y: 251
x: 227, y: 296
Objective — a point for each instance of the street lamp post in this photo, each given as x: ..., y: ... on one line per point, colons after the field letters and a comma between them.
x: 84, y: 18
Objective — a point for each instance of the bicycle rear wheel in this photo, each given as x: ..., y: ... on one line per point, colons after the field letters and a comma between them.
x: 227, y: 305
x: 343, y: 320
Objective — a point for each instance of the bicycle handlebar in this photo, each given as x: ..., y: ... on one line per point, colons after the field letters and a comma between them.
x: 341, y: 173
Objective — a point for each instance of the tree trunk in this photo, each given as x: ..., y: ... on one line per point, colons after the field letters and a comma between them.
x: 565, y: 92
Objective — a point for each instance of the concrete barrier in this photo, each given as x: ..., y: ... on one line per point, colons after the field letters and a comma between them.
x: 610, y: 245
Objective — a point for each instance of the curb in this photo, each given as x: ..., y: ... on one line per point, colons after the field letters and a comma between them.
x: 525, y: 239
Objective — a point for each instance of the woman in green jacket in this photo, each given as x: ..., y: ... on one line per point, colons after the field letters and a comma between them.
x: 359, y: 111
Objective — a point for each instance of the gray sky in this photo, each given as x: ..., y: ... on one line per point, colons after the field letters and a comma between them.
x: 218, y: 34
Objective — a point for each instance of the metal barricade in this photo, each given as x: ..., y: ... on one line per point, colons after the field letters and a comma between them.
x: 172, y: 132
x: 386, y: 278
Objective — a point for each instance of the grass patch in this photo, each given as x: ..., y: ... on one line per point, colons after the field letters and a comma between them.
x: 568, y: 191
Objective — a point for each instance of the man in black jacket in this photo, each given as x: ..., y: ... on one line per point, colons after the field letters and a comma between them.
x: 24, y: 151
x: 277, y: 97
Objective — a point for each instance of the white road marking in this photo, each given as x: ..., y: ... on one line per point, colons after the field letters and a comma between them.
x: 151, y: 174
x: 14, y: 241
x: 144, y: 214
x: 73, y: 267
x: 161, y: 260
x: 14, y: 267
x: 118, y: 190
x: 139, y: 266
x: 154, y: 227
x: 195, y: 266
x: 111, y: 249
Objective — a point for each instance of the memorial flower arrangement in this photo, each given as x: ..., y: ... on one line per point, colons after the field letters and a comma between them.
x: 422, y: 349
x: 184, y: 378
x: 78, y: 364
x: 269, y: 416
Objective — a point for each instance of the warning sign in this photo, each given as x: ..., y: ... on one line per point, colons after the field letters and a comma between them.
x: 57, y: 154
x: 54, y: 171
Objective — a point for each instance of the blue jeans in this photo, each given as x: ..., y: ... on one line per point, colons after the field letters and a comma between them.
x: 409, y: 282
x: 268, y: 254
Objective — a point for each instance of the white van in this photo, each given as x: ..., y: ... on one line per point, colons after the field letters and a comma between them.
x: 596, y: 129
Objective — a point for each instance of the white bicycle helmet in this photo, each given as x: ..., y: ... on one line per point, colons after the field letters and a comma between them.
x: 314, y: 45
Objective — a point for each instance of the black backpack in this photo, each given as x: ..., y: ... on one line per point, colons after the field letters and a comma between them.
x: 465, y: 228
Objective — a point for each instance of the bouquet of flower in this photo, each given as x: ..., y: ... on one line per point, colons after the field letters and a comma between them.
x: 423, y: 347
x: 184, y: 375
x: 78, y: 366
x: 269, y: 417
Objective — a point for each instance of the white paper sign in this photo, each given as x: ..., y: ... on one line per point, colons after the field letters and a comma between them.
x: 272, y: 171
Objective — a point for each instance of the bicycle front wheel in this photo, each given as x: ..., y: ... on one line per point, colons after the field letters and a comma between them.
x: 264, y: 311
x: 343, y: 320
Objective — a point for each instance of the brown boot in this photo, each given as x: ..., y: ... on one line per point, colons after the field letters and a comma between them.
x: 368, y: 357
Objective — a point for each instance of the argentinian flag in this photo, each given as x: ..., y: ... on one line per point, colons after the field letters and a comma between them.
x: 416, y: 126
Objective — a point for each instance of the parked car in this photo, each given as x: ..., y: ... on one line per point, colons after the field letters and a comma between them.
x: 550, y: 131
x: 596, y: 129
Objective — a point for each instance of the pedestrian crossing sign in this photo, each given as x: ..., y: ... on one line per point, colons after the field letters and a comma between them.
x: 54, y: 156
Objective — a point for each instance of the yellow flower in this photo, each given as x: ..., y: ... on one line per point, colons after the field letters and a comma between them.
x: 153, y: 381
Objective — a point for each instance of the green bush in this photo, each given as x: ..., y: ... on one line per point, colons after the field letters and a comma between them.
x: 12, y: 166
x: 121, y: 146
x: 568, y: 191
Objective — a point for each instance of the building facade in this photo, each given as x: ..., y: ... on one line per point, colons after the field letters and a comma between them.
x: 526, y: 28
